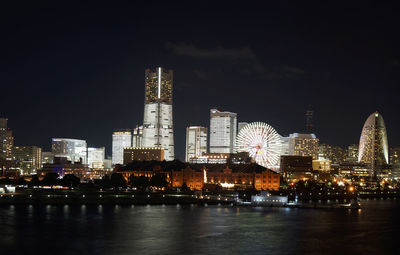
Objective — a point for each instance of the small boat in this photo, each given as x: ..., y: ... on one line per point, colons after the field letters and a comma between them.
x: 353, y: 205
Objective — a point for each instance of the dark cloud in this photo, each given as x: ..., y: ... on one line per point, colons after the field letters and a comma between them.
x: 190, y: 50
x: 243, y: 59
x: 201, y: 74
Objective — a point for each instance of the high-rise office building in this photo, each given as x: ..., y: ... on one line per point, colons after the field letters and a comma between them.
x: 28, y: 158
x: 223, y: 130
x: 121, y: 139
x: 3, y: 137
x: 373, y: 148
x: 196, y: 141
x: 303, y: 145
x: 137, y: 136
x: 9, y: 144
x: 158, y: 130
x: 74, y: 150
x: 96, y: 157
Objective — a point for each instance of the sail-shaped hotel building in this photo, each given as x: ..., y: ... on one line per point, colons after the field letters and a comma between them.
x: 373, y: 147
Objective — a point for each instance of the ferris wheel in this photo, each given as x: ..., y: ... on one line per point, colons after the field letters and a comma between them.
x: 261, y: 141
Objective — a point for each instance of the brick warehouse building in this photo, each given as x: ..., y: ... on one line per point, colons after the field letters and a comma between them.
x: 240, y: 176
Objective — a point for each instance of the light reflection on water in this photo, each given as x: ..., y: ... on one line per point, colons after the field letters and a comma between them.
x: 193, y: 229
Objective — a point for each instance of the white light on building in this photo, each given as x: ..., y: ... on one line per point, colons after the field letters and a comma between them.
x: 73, y: 149
x: 120, y: 140
x: 158, y: 128
x: 96, y: 157
x: 223, y: 128
x: 196, y: 141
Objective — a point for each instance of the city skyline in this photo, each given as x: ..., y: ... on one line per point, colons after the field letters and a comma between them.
x: 199, y: 127
x: 89, y: 77
x: 138, y: 129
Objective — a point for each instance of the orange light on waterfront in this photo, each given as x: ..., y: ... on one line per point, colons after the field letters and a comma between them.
x: 351, y: 188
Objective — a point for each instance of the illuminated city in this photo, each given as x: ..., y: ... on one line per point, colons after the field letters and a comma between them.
x: 166, y: 128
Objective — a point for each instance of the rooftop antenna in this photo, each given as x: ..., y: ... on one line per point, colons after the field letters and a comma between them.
x: 309, y: 116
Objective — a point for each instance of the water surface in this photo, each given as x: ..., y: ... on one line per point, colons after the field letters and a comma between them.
x: 27, y: 229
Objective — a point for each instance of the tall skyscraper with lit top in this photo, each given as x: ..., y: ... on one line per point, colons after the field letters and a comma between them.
x: 373, y: 148
x: 158, y: 129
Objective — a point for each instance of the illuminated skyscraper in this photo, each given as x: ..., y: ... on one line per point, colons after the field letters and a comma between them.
x: 223, y: 129
x: 9, y: 144
x: 373, y: 149
x: 121, y: 139
x: 196, y: 141
x: 158, y: 130
x: 303, y: 145
x: 3, y: 137
x: 73, y: 149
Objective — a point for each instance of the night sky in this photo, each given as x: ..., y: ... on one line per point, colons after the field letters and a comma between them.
x: 77, y: 70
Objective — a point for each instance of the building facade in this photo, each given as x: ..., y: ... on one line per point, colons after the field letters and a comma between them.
x: 96, y: 157
x: 285, y: 145
x: 28, y: 158
x: 239, y: 176
x: 223, y: 130
x: 74, y: 150
x: 303, y: 145
x: 62, y: 166
x: 47, y: 157
x: 352, y: 153
x: 121, y: 138
x: 137, y: 136
x: 296, y: 168
x: 143, y: 154
x: 9, y: 144
x: 373, y: 148
x: 3, y: 136
x: 335, y: 154
x: 158, y: 129
x: 196, y: 142
x: 194, y: 179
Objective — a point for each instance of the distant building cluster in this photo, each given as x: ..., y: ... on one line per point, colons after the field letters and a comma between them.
x: 66, y: 156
